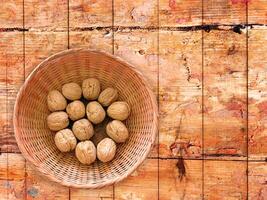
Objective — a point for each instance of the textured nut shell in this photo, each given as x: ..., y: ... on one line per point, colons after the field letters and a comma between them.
x: 85, y: 152
x: 117, y: 131
x: 56, y: 101
x: 108, y: 96
x: 83, y: 129
x: 119, y: 110
x: 76, y: 110
x: 57, y: 121
x: 95, y: 112
x: 65, y: 140
x: 72, y: 91
x: 106, y: 150
x: 91, y: 88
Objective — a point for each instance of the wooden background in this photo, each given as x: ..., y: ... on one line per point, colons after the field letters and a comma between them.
x: 207, y: 63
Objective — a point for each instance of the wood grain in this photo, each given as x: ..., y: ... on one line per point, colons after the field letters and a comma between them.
x: 139, y: 47
x: 87, y: 13
x: 141, y: 184
x: 257, y: 180
x: 11, y: 15
x: 225, y: 95
x: 224, y: 12
x: 257, y: 94
x: 180, y: 92
x: 257, y: 12
x: 46, y: 15
x: 105, y: 193
x: 39, y: 187
x: 12, y: 176
x: 174, y: 184
x: 142, y: 13
x: 225, y: 180
x: 179, y: 13
x: 11, y: 45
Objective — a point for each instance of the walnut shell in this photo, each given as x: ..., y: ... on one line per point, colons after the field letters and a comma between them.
x: 119, y: 110
x: 86, y: 152
x: 65, y: 140
x: 83, y: 129
x: 108, y: 96
x: 106, y: 150
x: 91, y: 88
x: 117, y: 131
x: 76, y: 110
x: 57, y: 121
x: 56, y: 101
x: 95, y: 112
x: 72, y: 91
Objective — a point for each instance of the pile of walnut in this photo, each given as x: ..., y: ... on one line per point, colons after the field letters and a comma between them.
x: 84, y: 117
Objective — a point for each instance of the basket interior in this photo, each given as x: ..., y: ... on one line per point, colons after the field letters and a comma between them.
x: 36, y: 141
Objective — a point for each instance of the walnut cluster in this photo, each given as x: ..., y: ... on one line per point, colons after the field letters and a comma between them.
x: 76, y: 111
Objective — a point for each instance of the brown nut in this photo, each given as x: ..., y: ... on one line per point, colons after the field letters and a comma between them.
x: 91, y: 88
x: 83, y: 129
x: 76, y: 110
x: 86, y: 152
x: 65, y: 140
x: 108, y: 96
x: 56, y: 101
x: 119, y: 110
x: 95, y: 112
x: 117, y: 131
x: 72, y: 91
x: 106, y: 150
x: 57, y: 121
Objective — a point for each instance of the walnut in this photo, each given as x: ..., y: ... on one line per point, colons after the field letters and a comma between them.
x: 85, y: 152
x: 95, y: 112
x: 57, y: 121
x: 83, y: 129
x: 119, y: 110
x: 72, y: 91
x: 65, y: 140
x: 76, y: 110
x: 106, y: 150
x: 108, y: 96
x: 56, y: 101
x: 91, y: 88
x: 117, y: 131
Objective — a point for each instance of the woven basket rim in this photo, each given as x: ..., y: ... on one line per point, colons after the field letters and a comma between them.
x: 52, y: 177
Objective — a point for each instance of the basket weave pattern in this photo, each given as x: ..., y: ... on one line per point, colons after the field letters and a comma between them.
x: 36, y: 141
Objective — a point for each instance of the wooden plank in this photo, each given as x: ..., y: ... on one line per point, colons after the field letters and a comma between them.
x: 224, y: 12
x: 225, y: 95
x: 12, y: 177
x: 257, y: 12
x: 90, y: 13
x: 40, y: 45
x: 11, y: 45
x: 99, y: 40
x: 46, y: 15
x: 11, y: 14
x: 183, y: 182
x: 225, y: 180
x: 177, y: 13
x: 257, y: 94
x: 96, y: 39
x: 141, y: 184
x: 39, y: 187
x: 142, y: 13
x: 180, y: 90
x: 257, y: 180
x: 139, y: 48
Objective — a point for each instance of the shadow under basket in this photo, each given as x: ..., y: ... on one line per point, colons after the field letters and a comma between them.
x: 36, y: 141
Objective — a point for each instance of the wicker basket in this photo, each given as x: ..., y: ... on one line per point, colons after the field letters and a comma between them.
x: 36, y: 142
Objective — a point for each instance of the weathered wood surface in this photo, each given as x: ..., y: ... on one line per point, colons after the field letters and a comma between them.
x: 191, y: 68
